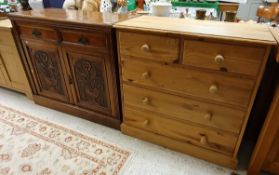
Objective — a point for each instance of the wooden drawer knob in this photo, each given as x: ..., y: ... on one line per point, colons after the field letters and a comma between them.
x: 145, y: 48
x: 213, y: 89
x: 145, y: 75
x: 145, y: 100
x: 219, y: 59
x: 145, y: 122
x: 203, y: 140
x: 208, y: 116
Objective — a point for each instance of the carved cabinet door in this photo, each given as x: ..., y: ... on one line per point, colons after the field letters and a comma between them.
x: 46, y: 65
x: 91, y: 85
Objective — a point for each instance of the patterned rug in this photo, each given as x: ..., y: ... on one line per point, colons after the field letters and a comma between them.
x: 31, y: 146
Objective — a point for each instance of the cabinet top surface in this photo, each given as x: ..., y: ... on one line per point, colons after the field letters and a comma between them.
x: 72, y: 16
x: 5, y: 24
x: 212, y: 29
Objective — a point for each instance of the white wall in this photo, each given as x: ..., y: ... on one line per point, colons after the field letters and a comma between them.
x: 248, y: 11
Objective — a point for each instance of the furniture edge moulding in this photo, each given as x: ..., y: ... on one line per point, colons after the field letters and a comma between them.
x: 62, y: 23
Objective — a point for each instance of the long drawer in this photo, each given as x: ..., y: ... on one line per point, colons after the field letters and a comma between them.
x: 176, y: 107
x: 223, y: 57
x: 218, y: 87
x: 198, y: 136
x: 157, y: 48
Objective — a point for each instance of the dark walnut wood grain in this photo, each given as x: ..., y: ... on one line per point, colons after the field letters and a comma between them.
x: 46, y: 67
x: 90, y: 81
x: 70, y: 60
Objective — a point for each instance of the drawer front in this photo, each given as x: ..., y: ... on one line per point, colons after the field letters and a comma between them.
x: 223, y: 57
x: 95, y: 39
x: 151, y: 47
x: 184, y: 109
x: 224, y: 89
x: 37, y: 32
x: 198, y: 136
x: 6, y: 38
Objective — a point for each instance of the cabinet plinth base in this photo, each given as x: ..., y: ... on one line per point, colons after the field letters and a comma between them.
x: 201, y: 153
x: 77, y: 111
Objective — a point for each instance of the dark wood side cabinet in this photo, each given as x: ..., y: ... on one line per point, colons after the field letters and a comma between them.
x: 70, y: 60
x: 266, y: 153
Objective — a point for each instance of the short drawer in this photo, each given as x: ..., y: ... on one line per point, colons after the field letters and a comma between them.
x: 37, y: 32
x: 213, y: 86
x: 176, y: 107
x: 157, y: 48
x: 223, y: 57
x: 194, y: 135
x: 96, y: 39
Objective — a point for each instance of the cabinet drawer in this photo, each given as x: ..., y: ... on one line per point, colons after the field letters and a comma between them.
x: 152, y: 47
x: 223, y: 57
x: 194, y: 135
x: 218, y: 87
x: 184, y: 109
x: 37, y: 32
x: 95, y: 39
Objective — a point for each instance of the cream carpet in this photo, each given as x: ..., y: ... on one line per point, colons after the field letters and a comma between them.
x: 146, y: 158
x: 29, y: 145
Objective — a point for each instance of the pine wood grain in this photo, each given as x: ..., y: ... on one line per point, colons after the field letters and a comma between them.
x: 237, y: 59
x: 167, y: 84
x: 219, y: 30
x: 12, y: 72
x: 179, y: 108
x: 231, y: 90
x: 181, y: 131
x: 159, y: 48
x: 177, y: 145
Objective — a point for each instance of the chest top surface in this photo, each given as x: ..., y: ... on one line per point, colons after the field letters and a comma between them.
x: 254, y: 33
x: 5, y: 24
x: 72, y: 16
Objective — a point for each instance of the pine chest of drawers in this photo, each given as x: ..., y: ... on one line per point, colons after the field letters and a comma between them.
x: 190, y: 85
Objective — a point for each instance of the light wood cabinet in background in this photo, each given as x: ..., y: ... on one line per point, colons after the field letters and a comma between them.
x: 12, y: 75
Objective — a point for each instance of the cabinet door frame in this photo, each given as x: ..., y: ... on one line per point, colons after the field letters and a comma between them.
x: 26, y: 42
x: 6, y: 81
x: 112, y: 109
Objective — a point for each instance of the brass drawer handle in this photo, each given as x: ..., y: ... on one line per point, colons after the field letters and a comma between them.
x: 145, y: 100
x: 145, y: 48
x: 83, y: 40
x: 37, y: 34
x: 145, y: 75
x: 203, y: 140
x: 213, y: 89
x: 219, y: 59
x: 208, y: 116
